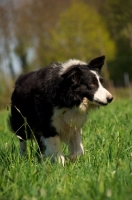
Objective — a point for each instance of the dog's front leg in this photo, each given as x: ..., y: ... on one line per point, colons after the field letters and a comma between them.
x: 53, y: 148
x: 75, y: 145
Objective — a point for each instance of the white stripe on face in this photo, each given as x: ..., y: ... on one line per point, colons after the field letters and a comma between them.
x: 101, y: 96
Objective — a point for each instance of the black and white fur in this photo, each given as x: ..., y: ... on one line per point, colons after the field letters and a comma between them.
x: 55, y: 102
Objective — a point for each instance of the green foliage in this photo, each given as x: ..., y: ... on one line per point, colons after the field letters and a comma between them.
x: 122, y: 62
x: 120, y: 14
x: 60, y: 30
x: 82, y: 34
x: 118, y: 17
x: 5, y: 91
x: 104, y: 172
x: 21, y: 51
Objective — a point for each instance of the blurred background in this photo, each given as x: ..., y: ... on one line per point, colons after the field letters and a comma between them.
x: 35, y: 33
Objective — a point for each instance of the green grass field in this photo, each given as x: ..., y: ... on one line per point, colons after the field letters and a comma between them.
x: 104, y: 172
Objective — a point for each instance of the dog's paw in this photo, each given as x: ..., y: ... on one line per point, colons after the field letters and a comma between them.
x: 57, y: 158
x: 76, y: 155
x: 73, y: 157
x: 61, y: 159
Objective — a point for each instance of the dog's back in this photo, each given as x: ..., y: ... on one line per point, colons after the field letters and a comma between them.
x: 30, y: 98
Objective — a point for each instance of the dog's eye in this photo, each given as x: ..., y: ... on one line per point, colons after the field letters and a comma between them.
x: 92, y: 85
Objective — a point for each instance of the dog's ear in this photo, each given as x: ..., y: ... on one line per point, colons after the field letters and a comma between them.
x: 72, y: 75
x: 97, y: 62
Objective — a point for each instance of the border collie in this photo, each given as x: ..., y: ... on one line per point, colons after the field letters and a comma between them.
x: 55, y: 102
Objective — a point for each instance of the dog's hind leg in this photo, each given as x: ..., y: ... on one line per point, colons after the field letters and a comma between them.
x: 23, y: 147
x: 75, y: 145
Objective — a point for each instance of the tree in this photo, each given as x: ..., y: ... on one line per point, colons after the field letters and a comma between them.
x: 34, y: 22
x: 81, y: 34
x: 6, y: 35
x: 118, y: 17
x: 25, y: 25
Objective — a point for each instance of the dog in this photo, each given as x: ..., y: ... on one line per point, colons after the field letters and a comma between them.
x: 55, y: 101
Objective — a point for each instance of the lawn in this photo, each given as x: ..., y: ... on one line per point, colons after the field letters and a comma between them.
x: 104, y: 172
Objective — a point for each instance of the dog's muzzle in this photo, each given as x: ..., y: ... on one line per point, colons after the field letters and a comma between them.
x: 104, y: 102
x: 109, y: 99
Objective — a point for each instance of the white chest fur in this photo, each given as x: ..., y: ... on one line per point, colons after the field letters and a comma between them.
x: 68, y: 121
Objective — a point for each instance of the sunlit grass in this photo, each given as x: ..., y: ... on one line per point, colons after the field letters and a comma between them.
x: 104, y: 172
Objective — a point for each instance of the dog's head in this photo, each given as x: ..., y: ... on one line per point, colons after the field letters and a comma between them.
x: 83, y: 80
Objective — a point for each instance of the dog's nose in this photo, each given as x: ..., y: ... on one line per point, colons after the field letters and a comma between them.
x: 109, y: 99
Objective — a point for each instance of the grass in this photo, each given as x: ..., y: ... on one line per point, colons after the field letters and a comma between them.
x: 104, y: 172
